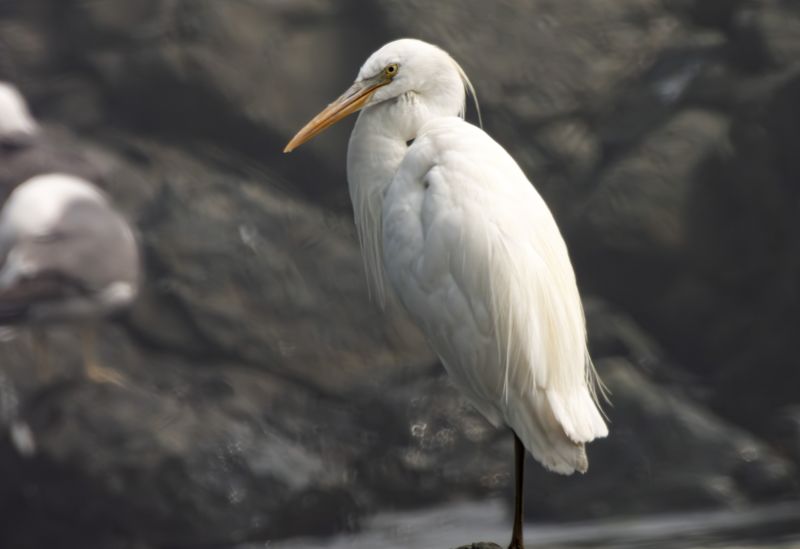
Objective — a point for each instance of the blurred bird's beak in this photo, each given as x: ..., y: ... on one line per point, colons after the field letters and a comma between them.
x: 349, y: 102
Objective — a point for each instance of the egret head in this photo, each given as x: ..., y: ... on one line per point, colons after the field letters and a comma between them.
x: 405, y: 68
x: 15, y: 118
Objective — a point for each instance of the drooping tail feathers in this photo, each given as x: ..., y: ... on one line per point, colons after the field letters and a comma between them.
x: 554, y: 427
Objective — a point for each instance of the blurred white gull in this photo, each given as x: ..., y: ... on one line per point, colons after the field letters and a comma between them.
x: 67, y: 256
x: 16, y: 121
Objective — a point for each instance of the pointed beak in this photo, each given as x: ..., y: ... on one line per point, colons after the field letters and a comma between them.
x: 349, y: 102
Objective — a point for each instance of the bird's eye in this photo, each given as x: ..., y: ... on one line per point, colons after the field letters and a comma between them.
x: 390, y: 71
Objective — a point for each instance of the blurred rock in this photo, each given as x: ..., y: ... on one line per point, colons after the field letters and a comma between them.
x: 743, y: 205
x: 614, y: 333
x: 711, y: 13
x: 167, y: 67
x: 785, y: 431
x: 249, y: 266
x: 638, y: 206
x: 183, y: 455
x: 432, y: 446
x: 776, y: 26
x: 52, y: 150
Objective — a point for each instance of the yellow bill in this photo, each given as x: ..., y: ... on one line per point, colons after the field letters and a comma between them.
x: 349, y: 102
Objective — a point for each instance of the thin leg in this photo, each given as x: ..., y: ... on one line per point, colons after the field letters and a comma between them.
x: 519, y: 466
x: 91, y: 367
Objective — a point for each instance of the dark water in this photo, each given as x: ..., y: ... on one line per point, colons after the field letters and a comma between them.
x: 768, y: 527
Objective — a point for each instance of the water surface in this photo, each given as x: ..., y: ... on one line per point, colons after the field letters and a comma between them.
x: 769, y: 527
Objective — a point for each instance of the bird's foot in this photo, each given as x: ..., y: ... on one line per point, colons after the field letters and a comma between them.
x: 99, y: 374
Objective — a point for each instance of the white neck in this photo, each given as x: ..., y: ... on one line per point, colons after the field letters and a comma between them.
x: 376, y: 148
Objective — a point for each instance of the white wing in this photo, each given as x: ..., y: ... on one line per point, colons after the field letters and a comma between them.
x: 476, y: 257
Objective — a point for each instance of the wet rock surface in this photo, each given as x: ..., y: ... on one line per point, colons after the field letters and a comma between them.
x: 268, y: 398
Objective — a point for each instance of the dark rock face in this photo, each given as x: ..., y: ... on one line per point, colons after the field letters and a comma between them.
x: 667, y: 450
x: 268, y: 397
x: 786, y: 431
x: 185, y: 455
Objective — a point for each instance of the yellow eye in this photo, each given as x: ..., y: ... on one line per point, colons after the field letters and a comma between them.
x: 390, y: 71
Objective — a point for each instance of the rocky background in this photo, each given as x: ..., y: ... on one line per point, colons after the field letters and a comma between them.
x: 267, y: 397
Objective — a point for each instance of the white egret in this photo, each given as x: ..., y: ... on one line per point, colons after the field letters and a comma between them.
x: 67, y: 256
x: 448, y: 218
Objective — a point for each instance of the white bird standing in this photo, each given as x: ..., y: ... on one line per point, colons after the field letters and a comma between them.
x: 448, y: 218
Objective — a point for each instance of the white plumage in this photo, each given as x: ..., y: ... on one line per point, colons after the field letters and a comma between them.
x: 15, y: 118
x: 470, y: 248
x: 476, y: 257
x: 62, y: 229
x: 37, y: 205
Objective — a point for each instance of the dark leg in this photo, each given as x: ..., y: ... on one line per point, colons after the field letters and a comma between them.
x: 519, y: 466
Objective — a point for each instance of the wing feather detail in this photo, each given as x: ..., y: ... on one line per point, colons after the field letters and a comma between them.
x: 477, y: 258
